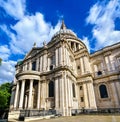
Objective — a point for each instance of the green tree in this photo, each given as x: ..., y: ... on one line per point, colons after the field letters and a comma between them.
x: 5, y: 90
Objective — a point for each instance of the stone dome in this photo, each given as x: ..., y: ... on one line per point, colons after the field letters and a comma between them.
x: 63, y: 30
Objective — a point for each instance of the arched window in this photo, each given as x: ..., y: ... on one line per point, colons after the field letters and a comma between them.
x: 51, y: 89
x: 103, y: 91
x: 73, y: 89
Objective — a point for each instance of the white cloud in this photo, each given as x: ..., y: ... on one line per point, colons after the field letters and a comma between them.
x: 86, y: 42
x: 4, y: 52
x: 28, y: 30
x: 103, y: 19
x: 15, y: 8
x: 7, y: 71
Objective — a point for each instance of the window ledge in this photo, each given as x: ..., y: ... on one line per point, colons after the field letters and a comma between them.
x: 104, y: 99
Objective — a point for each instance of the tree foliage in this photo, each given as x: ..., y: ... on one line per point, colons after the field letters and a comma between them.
x: 0, y: 61
x: 5, y: 90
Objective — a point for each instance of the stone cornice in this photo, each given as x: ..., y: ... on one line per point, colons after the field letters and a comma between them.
x: 107, y: 76
x: 106, y: 49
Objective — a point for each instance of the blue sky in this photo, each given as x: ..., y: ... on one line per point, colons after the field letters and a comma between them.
x: 23, y: 22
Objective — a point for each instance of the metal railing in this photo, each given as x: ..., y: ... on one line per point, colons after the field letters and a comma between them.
x: 96, y: 111
x: 33, y: 113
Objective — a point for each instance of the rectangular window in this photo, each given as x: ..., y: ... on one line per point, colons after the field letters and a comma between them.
x: 73, y: 89
x: 34, y: 65
x: 82, y: 99
x: 118, y: 60
x: 81, y: 88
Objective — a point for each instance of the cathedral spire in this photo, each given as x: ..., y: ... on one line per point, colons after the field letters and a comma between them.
x: 63, y: 25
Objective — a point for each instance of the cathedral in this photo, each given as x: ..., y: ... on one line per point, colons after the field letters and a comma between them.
x: 63, y: 76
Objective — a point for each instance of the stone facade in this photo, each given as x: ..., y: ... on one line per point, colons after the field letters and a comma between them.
x: 62, y: 75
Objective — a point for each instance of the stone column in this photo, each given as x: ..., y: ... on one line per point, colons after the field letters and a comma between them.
x: 74, y: 47
x: 56, y: 57
x: 82, y: 66
x: 56, y: 94
x: 30, y: 94
x: 22, y: 94
x: 79, y: 46
x: 12, y: 99
x: 16, y: 95
x: 86, y: 96
x: 38, y: 98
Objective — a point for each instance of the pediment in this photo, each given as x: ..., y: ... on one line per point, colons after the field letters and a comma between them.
x: 31, y: 53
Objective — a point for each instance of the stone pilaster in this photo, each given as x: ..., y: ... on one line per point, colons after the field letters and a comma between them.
x: 82, y: 66
x: 60, y: 56
x: 41, y: 63
x: 92, y: 101
x: 48, y: 64
x: 115, y: 95
x: 86, y: 96
x: 37, y: 64
x: 56, y: 57
x: 107, y: 63
x: 66, y: 95
x: 44, y: 62
x: 56, y: 94
x: 69, y: 97
x: 62, y: 96
x: 86, y: 64
x: 43, y: 95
